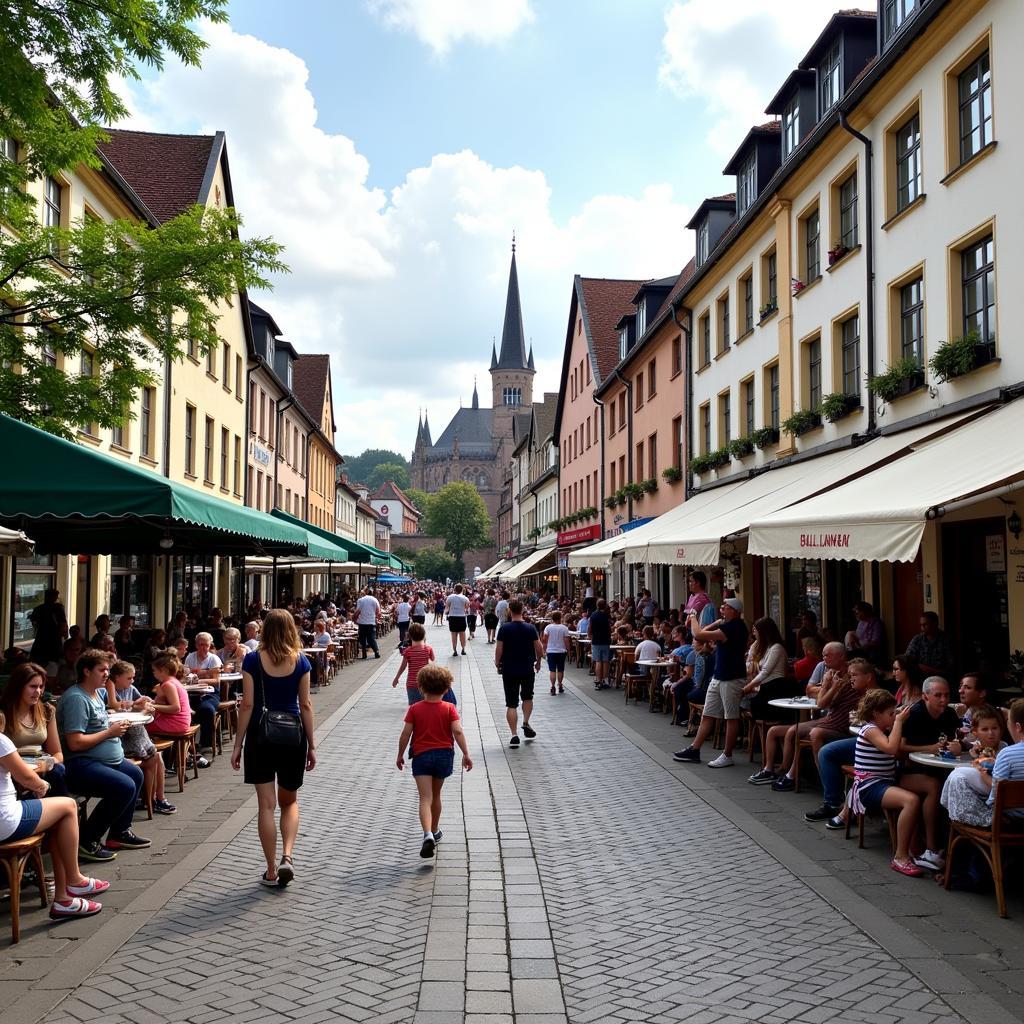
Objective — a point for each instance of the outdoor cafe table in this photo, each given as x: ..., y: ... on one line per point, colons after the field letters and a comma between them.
x: 320, y: 653
x: 659, y: 664
x: 934, y: 761
x: 226, y: 678
x: 800, y: 704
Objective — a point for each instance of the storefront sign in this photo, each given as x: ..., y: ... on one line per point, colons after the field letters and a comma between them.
x: 995, y: 553
x: 824, y: 541
x: 568, y: 537
x: 259, y: 453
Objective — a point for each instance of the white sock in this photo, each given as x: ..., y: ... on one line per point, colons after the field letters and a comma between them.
x: 428, y: 835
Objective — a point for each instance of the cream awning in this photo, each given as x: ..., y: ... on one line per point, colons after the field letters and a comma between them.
x: 697, y: 539
x: 531, y: 563
x: 881, y: 517
x: 597, y: 556
x: 497, y: 569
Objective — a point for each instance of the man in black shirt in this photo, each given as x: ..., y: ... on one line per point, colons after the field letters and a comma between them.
x: 930, y: 719
x: 517, y: 657
x: 600, y: 632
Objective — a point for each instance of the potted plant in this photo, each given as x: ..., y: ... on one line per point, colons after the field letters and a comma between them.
x: 765, y: 437
x: 741, y: 447
x: 700, y: 464
x: 837, y: 405
x: 961, y: 355
x: 635, y: 491
x: 672, y: 474
x: 796, y: 285
x: 900, y: 379
x: 801, y: 421
x: 767, y: 309
x: 837, y: 252
x: 611, y: 501
x: 719, y: 458
x: 650, y: 485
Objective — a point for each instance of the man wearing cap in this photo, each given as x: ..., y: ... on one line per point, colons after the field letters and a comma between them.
x: 726, y: 688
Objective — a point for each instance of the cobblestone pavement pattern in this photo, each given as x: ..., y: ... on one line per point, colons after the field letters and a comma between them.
x: 577, y: 881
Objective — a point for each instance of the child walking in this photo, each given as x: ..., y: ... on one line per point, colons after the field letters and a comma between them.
x: 434, y: 726
x: 414, y: 658
x: 123, y: 693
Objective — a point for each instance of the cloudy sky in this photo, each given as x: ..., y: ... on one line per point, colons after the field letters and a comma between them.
x: 394, y: 145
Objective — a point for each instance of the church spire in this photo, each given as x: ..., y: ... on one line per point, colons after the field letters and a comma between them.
x: 494, y: 356
x: 426, y: 429
x: 476, y: 397
x: 419, y: 426
x: 529, y: 362
x: 513, y: 343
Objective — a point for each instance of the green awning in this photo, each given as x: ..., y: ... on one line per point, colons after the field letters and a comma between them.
x: 323, y: 548
x: 356, y: 552
x: 71, y: 499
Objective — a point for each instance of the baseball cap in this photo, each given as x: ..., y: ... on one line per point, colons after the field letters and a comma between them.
x: 734, y: 603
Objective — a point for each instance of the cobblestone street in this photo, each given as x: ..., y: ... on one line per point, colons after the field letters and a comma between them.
x: 579, y: 879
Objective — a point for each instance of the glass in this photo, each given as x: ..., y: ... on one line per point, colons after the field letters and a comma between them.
x: 28, y: 593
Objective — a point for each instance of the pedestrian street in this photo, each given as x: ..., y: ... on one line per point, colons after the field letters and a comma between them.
x: 577, y: 880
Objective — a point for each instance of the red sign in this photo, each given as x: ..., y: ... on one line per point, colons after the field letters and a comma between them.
x: 568, y: 537
x: 383, y: 510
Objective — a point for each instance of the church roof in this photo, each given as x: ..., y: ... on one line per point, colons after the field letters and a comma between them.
x: 472, y: 428
x: 513, y: 343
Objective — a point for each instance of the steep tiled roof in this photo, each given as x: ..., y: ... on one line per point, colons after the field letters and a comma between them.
x: 309, y: 382
x: 390, y: 491
x: 166, y: 171
x: 545, y: 413
x: 605, y: 301
x: 472, y: 427
x: 681, y: 281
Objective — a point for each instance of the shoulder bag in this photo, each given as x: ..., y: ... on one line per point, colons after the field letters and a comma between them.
x: 277, y: 728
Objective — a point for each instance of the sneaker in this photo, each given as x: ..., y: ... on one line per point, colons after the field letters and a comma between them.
x: 783, y: 784
x: 427, y: 849
x: 528, y: 731
x: 690, y: 755
x: 377, y: 656
x: 200, y: 761
x: 163, y: 807
x: 463, y: 652
x: 821, y: 813
x: 930, y: 860
x: 836, y: 824
x: 722, y: 761
x: 764, y: 777
x: 437, y: 836
x: 514, y: 742
x: 95, y: 852
x: 909, y: 868
x: 128, y: 840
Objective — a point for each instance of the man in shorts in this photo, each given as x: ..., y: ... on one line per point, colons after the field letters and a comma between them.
x: 599, y: 629
x: 517, y: 657
x: 729, y: 633
x: 457, y: 610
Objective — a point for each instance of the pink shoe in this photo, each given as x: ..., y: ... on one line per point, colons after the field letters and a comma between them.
x: 92, y: 887
x: 909, y: 868
x: 77, y: 906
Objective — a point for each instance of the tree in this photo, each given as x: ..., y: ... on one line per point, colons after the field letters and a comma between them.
x: 135, y: 294
x: 359, y: 467
x: 458, y: 514
x: 434, y: 563
x: 404, y: 553
x: 385, y: 471
x: 420, y: 499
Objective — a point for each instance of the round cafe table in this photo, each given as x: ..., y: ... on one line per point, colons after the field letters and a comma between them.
x: 934, y: 761
x: 794, y: 703
x: 226, y: 679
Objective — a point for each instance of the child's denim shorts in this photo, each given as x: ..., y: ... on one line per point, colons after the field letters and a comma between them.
x: 438, y: 763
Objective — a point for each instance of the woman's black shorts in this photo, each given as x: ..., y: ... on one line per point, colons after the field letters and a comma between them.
x: 264, y: 762
x: 456, y: 623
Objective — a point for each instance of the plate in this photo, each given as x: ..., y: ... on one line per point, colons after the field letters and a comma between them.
x: 134, y: 717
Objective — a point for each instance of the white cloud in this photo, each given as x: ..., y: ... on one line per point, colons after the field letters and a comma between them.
x: 733, y: 55
x: 406, y: 289
x: 441, y: 23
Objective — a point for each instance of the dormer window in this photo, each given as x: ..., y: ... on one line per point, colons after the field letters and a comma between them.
x: 641, y: 318
x: 829, y: 80
x: 791, y: 127
x: 894, y: 14
x: 623, y: 343
x: 746, y: 185
x: 702, y: 242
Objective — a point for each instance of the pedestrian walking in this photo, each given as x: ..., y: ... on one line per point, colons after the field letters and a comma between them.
x: 439, y: 609
x: 517, y: 657
x: 403, y: 615
x: 475, y: 609
x: 490, y: 615
x: 275, y: 727
x: 419, y: 609
x: 457, y: 610
x: 556, y: 640
x: 367, y: 619
x: 434, y: 727
x: 415, y: 657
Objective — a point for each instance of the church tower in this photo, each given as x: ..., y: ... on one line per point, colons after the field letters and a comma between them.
x: 512, y: 372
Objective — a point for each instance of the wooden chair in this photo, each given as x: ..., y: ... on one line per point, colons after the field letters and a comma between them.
x: 227, y: 716
x: 14, y: 856
x: 625, y: 663
x: 696, y: 710
x: 991, y: 841
x: 635, y: 683
x: 184, y: 744
x: 890, y: 817
x: 802, y: 744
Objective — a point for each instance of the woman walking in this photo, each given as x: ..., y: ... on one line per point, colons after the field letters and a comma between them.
x: 275, y: 721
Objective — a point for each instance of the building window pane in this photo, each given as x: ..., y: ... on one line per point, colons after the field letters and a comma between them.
x: 851, y: 355
x: 979, y: 289
x: 790, y: 127
x: 829, y: 77
x: 773, y: 283
x: 894, y: 14
x: 705, y: 339
x: 814, y: 374
x: 705, y: 429
x: 208, y: 452
x: 723, y: 324
x: 748, y: 303
x: 812, y: 247
x: 975, y: 89
x: 746, y: 184
x: 748, y: 408
x: 848, y: 212
x: 146, y: 422
x: 702, y: 242
x: 912, y: 321
x: 773, y: 395
x: 908, y: 163
x: 190, y: 439
x: 725, y: 407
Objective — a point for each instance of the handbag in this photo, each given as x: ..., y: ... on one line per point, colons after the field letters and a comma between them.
x: 278, y: 728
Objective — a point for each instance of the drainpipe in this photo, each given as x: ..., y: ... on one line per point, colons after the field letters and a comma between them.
x: 628, y: 385
x: 600, y: 404
x: 688, y: 403
x: 283, y: 406
x: 869, y: 253
x: 167, y: 416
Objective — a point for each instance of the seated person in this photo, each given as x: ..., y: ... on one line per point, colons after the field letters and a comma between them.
x: 766, y: 664
x: 123, y: 639
x: 804, y: 667
x: 973, y: 694
x: 203, y: 663
x: 30, y: 723
x: 232, y: 654
x: 966, y: 789
x: 102, y: 630
x: 907, y: 679
x: 692, y: 687
x: 647, y: 650
x: 64, y: 674
x: 95, y: 763
x: 252, y: 635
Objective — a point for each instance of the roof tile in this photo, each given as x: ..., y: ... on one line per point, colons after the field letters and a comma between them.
x: 309, y: 383
x: 606, y: 300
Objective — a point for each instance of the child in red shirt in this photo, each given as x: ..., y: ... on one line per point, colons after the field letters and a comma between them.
x: 434, y: 726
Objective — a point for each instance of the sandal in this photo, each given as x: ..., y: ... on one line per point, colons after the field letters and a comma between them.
x: 92, y: 887
x: 909, y: 868
x: 552, y: 691
x: 561, y: 688
x: 285, y: 871
x: 77, y: 906
x: 270, y: 883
